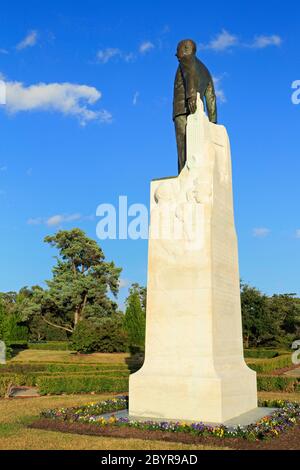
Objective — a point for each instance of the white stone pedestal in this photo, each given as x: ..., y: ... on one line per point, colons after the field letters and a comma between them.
x: 194, y: 368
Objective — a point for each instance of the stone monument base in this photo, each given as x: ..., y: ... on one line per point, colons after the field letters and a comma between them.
x: 194, y: 367
x: 206, y: 399
x: 242, y: 421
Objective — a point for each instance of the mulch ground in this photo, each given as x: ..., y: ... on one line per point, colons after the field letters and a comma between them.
x: 289, y: 440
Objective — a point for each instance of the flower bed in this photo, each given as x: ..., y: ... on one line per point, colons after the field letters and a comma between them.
x: 286, y: 416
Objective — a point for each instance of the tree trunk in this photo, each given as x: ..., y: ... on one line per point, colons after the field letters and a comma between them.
x: 76, y: 316
x: 70, y: 330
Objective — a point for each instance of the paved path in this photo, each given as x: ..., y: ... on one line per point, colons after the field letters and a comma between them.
x: 17, y: 392
x: 293, y: 373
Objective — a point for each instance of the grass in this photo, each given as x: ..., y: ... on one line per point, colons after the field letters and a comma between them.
x: 295, y: 396
x: 32, y: 355
x: 15, y: 415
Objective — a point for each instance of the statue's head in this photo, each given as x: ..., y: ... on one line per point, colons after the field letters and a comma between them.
x: 186, y: 47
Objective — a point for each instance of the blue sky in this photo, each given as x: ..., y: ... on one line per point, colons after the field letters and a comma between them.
x: 88, y: 118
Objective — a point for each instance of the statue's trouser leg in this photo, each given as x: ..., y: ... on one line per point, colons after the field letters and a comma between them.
x: 180, y: 129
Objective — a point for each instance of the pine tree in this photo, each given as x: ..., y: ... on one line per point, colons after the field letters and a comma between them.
x: 135, y: 318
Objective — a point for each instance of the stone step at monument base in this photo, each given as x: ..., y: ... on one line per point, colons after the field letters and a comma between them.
x: 242, y: 421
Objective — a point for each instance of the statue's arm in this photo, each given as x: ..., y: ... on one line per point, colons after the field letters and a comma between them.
x: 188, y: 69
x: 211, y: 102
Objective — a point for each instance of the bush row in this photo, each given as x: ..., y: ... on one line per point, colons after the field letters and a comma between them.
x: 20, y: 368
x: 87, y: 384
x: 275, y: 383
x: 261, y: 353
x: 83, y: 384
x: 57, y: 384
x: 271, y: 364
x: 51, y: 346
x: 31, y: 378
x: 46, y: 346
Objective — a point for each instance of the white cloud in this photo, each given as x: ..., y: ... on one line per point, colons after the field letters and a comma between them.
x: 110, y: 53
x: 3, y: 51
x: 59, y: 219
x: 67, y: 98
x: 29, y: 41
x: 166, y: 29
x: 55, y: 220
x: 261, y: 232
x: 225, y: 40
x: 298, y: 233
x: 35, y: 221
x: 260, y: 42
x: 221, y: 42
x: 123, y: 283
x: 135, y: 98
x: 105, y: 55
x: 146, y: 46
x: 219, y: 90
x: 129, y: 57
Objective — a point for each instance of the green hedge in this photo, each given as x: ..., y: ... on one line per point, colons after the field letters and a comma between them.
x: 21, y: 344
x: 71, y: 383
x: 114, y: 381
x: 261, y: 353
x: 271, y: 364
x: 81, y: 384
x: 20, y: 368
x: 275, y: 383
x: 51, y: 346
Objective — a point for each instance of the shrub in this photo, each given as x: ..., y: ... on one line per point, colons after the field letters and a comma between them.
x: 50, y: 346
x: 105, y: 335
x: 135, y: 320
x: 75, y: 382
x: 261, y: 353
x: 271, y: 364
x: 19, y: 344
x: 20, y: 368
x: 11, y: 329
x: 81, y: 384
x: 277, y: 383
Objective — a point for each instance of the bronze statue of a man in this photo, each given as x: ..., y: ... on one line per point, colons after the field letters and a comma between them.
x: 192, y: 77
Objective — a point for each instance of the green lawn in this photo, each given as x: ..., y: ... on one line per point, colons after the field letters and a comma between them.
x: 33, y: 355
x: 16, y: 414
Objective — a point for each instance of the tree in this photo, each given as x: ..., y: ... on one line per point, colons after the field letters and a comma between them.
x: 287, y: 309
x: 12, y: 327
x: 81, y: 283
x: 103, y: 335
x: 260, y: 325
x: 135, y: 316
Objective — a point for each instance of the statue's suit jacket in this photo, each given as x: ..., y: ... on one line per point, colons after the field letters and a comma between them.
x: 193, y: 77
